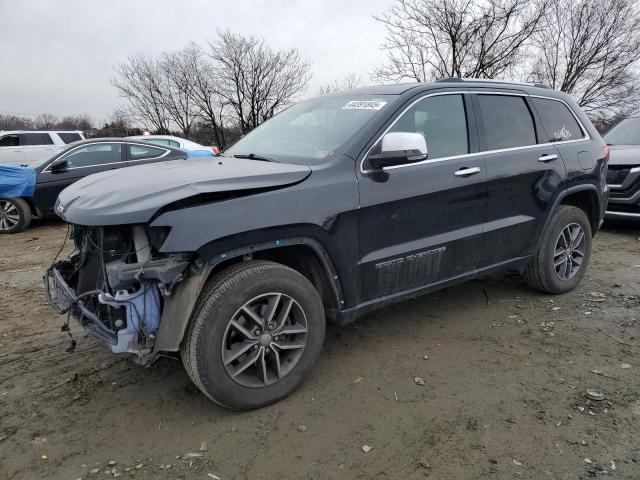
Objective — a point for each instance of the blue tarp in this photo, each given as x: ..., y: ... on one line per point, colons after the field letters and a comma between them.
x: 199, y: 153
x: 16, y: 181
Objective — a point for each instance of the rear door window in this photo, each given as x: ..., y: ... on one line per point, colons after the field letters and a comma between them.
x: 94, y: 155
x: 69, y: 137
x: 36, y: 139
x: 12, y: 140
x: 144, y: 152
x: 557, y: 120
x: 507, y: 122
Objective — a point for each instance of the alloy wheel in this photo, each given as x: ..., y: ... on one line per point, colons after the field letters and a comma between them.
x: 569, y: 251
x: 264, y: 340
x: 9, y: 215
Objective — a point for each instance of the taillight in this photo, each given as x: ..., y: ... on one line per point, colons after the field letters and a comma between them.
x: 606, y: 153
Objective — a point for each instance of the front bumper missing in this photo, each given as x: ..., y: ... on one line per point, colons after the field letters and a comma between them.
x: 64, y: 300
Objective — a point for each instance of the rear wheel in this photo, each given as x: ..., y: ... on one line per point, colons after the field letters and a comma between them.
x: 15, y: 215
x: 255, y: 334
x: 563, y: 256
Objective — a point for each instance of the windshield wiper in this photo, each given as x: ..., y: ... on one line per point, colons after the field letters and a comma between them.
x: 253, y: 156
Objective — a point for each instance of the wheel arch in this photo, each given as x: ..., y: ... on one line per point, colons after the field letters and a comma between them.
x: 304, y: 254
x: 585, y: 197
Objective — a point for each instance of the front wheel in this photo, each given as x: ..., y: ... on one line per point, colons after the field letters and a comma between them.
x: 255, y: 334
x: 15, y: 215
x: 563, y: 256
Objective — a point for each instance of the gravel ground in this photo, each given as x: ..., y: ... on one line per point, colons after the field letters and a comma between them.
x: 505, y: 371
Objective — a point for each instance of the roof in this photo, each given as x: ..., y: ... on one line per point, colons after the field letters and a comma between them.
x: 40, y: 131
x: 393, y: 89
x: 400, y: 88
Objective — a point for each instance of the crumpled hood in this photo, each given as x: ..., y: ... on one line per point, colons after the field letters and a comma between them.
x: 16, y: 180
x: 624, y: 155
x: 134, y: 194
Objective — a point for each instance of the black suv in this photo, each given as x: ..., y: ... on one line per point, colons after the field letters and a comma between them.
x: 335, y: 207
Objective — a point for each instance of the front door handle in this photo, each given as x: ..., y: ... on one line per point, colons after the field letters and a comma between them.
x: 466, y: 172
x: 548, y: 157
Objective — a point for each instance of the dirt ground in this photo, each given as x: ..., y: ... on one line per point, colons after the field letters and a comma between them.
x: 505, y: 372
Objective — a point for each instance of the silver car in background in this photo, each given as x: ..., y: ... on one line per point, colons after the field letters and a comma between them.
x: 624, y: 169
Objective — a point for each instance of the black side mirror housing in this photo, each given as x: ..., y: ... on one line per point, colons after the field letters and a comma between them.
x: 59, y: 165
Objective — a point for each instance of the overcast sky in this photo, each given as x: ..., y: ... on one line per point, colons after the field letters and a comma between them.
x: 56, y: 56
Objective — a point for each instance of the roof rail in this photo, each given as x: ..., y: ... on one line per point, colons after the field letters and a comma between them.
x: 487, y: 80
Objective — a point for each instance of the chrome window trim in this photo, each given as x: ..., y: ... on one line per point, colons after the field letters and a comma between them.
x: 471, y: 154
x: 47, y: 169
x: 166, y: 152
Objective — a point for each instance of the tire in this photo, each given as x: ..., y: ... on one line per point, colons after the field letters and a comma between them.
x: 211, y: 334
x: 546, y: 273
x: 15, y: 215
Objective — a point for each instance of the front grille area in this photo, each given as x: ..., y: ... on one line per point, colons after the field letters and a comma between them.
x: 97, y: 246
x: 617, y: 175
x: 91, y: 273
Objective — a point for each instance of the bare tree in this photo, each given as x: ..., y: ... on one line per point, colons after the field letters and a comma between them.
x: 46, y: 121
x: 177, y: 80
x: 204, y: 92
x: 15, y: 122
x: 255, y: 80
x: 591, y: 50
x: 119, y: 119
x: 75, y: 122
x: 352, y: 80
x: 139, y: 80
x: 428, y: 39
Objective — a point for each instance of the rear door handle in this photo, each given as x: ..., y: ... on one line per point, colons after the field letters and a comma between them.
x: 466, y: 172
x: 548, y: 157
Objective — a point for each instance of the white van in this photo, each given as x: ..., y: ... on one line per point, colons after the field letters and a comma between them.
x: 28, y: 146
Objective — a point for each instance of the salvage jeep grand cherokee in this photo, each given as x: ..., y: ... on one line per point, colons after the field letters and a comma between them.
x: 335, y: 207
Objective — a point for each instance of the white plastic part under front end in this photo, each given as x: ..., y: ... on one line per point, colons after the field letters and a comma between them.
x: 142, y: 317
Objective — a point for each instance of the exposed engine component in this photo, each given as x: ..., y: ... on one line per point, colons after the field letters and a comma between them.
x: 115, y: 286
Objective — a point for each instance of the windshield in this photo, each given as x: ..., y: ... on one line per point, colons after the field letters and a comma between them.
x: 627, y: 132
x: 309, y: 131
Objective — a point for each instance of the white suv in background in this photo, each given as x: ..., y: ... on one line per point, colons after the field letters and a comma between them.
x: 25, y: 147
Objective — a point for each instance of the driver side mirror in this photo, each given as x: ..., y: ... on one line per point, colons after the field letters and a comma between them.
x: 58, y: 165
x: 400, y: 148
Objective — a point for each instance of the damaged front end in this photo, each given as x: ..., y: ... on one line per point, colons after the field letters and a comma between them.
x: 115, y: 284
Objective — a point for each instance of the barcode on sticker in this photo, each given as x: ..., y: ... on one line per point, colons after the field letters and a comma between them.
x: 364, y: 105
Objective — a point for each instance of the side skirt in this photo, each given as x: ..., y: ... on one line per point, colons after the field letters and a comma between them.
x: 346, y: 316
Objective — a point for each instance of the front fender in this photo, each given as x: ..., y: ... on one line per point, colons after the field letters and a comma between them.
x: 179, y: 306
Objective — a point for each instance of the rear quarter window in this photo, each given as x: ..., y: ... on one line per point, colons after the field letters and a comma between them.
x: 69, y: 137
x: 140, y: 152
x: 557, y: 120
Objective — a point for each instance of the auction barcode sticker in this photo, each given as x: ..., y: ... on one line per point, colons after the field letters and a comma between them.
x: 364, y: 105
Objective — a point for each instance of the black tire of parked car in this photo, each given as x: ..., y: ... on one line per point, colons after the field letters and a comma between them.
x: 221, y: 299
x: 541, y: 273
x: 24, y: 213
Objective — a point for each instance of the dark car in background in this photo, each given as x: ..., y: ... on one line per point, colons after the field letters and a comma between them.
x: 624, y: 170
x: 28, y: 192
